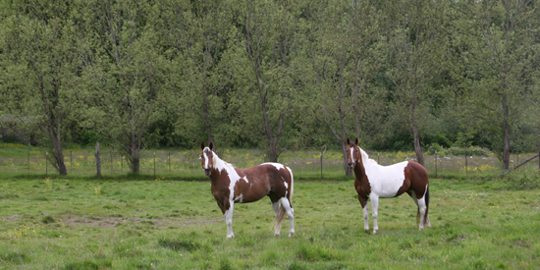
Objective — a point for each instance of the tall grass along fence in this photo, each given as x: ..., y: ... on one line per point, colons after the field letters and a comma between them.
x: 25, y: 160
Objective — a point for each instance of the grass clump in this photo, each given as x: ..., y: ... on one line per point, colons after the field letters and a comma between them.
x: 179, y: 245
x: 89, y: 265
x: 48, y: 220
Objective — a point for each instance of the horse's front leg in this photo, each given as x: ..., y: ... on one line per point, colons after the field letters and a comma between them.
x: 363, y: 203
x: 229, y: 209
x: 375, y: 208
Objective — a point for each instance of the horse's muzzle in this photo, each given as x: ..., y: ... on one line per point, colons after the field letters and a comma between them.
x: 351, y: 165
x: 208, y: 171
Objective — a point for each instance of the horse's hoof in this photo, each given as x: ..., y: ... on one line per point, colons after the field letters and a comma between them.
x: 291, y: 234
x: 230, y: 236
x: 277, y: 234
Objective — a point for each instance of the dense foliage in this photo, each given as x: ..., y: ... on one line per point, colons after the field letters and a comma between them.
x: 403, y: 75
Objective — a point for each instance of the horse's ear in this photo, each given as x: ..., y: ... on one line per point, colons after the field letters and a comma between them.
x: 356, y: 141
x: 348, y: 141
x: 202, y: 145
x: 211, y: 146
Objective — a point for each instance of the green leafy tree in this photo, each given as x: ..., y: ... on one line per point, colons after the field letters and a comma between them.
x: 196, y: 35
x: 503, y: 60
x: 39, y: 50
x: 125, y: 73
x: 264, y: 71
x: 415, y: 48
x: 343, y: 52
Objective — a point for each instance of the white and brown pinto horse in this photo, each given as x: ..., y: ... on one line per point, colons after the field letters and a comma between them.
x: 374, y: 181
x: 233, y: 185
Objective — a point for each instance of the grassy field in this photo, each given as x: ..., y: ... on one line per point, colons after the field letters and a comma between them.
x: 163, y: 224
x: 140, y: 222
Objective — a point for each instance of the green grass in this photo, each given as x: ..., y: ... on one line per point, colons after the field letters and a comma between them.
x: 126, y: 221
x: 146, y: 224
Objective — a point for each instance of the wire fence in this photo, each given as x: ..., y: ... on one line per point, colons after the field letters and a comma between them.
x: 82, y: 162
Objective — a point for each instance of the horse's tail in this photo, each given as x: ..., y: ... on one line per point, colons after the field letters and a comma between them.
x: 427, y: 198
x: 281, y: 213
x: 426, y: 219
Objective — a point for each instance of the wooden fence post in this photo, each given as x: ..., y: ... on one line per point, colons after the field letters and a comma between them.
x: 322, y: 154
x: 98, y: 160
x: 436, y: 157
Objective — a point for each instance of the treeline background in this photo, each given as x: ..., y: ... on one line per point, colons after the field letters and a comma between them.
x: 275, y: 75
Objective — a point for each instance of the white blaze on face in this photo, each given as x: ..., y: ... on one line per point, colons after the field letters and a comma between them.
x: 352, y: 155
x: 205, y: 160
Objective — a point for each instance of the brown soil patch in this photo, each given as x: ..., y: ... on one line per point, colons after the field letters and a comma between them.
x: 14, y: 217
x: 108, y: 222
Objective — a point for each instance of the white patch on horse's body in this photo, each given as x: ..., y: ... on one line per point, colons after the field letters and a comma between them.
x: 239, y: 198
x: 277, y: 165
x: 385, y: 181
x: 286, y: 185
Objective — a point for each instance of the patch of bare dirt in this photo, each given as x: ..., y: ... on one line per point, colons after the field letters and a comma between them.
x: 108, y: 222
x: 14, y: 217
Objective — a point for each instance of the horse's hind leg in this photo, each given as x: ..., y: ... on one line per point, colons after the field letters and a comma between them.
x: 276, y: 207
x: 413, y: 196
x: 422, y: 209
x: 290, y: 212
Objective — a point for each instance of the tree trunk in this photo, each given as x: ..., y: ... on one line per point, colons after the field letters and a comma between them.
x: 506, y: 138
x: 273, y: 153
x: 134, y: 159
x: 344, y: 147
x: 539, y: 157
x: 58, y: 156
x: 417, y: 148
x: 210, y: 136
x: 62, y: 169
x: 98, y: 161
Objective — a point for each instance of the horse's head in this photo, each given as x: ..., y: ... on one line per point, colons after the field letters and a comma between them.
x: 353, y: 153
x: 207, y: 157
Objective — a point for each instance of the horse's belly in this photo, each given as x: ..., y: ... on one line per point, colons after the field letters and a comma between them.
x: 390, y: 188
x: 249, y: 192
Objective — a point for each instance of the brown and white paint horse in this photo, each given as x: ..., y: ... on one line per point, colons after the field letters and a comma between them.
x: 374, y: 181
x: 233, y: 185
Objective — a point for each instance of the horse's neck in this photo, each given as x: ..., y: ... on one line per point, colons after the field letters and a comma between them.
x: 359, y: 169
x: 362, y: 165
x: 220, y: 164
